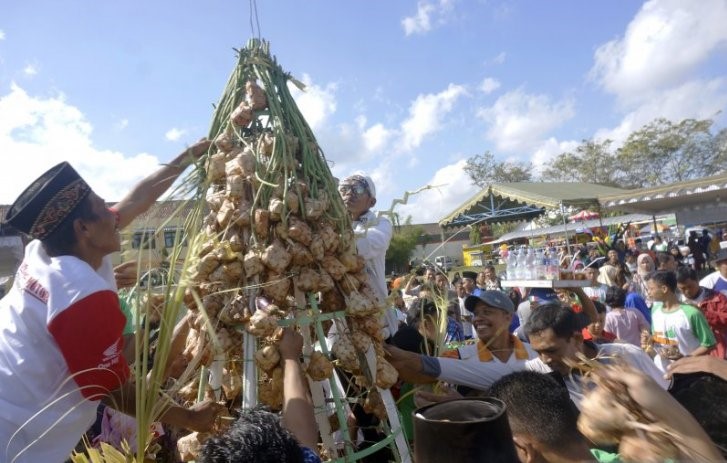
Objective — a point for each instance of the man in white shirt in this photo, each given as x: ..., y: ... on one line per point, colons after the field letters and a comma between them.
x: 597, y: 291
x: 373, y: 235
x: 717, y: 280
x: 555, y: 335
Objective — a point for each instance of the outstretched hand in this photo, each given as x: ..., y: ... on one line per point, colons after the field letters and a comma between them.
x: 200, y: 148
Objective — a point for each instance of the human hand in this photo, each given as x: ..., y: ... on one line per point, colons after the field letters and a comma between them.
x: 199, y: 148
x: 701, y: 363
x: 126, y: 274
x: 291, y: 346
x: 203, y: 416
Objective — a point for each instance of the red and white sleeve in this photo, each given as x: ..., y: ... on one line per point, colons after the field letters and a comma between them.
x: 89, y: 335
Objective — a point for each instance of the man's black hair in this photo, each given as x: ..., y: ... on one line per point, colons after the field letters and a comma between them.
x: 600, y: 307
x: 256, y: 437
x: 686, y: 273
x: 562, y: 320
x: 538, y: 406
x: 664, y: 277
x: 615, y: 296
x: 62, y: 240
x: 705, y: 398
x: 663, y: 258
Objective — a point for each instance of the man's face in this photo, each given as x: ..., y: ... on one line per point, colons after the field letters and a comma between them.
x: 591, y: 274
x: 612, y: 256
x: 102, y: 233
x: 356, y: 197
x: 481, y: 278
x: 670, y: 264
x: 722, y: 267
x: 468, y: 284
x: 689, y: 288
x: 657, y: 292
x: 490, y: 321
x: 554, y: 351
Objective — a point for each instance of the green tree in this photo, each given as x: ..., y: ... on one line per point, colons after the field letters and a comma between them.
x: 591, y: 162
x: 484, y: 169
x: 403, y: 242
x: 475, y: 237
x: 664, y: 152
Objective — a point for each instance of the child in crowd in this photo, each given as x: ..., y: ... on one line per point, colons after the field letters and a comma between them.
x: 626, y: 324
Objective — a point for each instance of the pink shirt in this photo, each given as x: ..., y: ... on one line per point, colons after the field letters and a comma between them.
x: 626, y: 324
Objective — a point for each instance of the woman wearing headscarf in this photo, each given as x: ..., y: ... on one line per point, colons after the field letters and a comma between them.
x: 644, y: 266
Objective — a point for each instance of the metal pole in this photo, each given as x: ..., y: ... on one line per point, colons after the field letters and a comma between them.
x: 565, y: 229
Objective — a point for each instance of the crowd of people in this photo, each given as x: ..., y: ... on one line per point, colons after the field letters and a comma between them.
x: 661, y: 314
x: 657, y: 312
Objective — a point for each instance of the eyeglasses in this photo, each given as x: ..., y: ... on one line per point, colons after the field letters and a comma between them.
x: 354, y: 190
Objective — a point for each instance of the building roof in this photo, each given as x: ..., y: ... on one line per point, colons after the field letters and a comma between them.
x: 670, y: 198
x: 513, y: 202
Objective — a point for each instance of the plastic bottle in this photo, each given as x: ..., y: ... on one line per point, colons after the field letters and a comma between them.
x: 553, y: 267
x: 522, y: 267
x: 511, y: 263
x: 530, y: 271
x: 540, y: 264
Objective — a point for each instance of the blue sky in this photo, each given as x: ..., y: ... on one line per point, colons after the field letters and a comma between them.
x: 405, y: 91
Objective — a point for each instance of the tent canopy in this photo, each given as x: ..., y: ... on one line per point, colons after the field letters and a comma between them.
x: 700, y: 194
x: 514, y: 202
x: 573, y: 228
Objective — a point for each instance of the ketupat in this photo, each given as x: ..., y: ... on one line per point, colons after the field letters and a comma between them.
x: 276, y: 226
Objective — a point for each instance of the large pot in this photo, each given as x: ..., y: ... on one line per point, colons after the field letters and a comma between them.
x: 468, y: 430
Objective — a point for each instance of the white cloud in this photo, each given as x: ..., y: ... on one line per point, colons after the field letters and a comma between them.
x: 2, y: 34
x: 122, y: 124
x: 426, y: 114
x: 518, y: 121
x: 46, y: 131
x: 453, y: 187
x: 664, y: 42
x: 696, y: 99
x: 428, y: 15
x: 548, y: 150
x: 174, y: 134
x: 489, y: 85
x: 316, y: 103
x: 30, y: 70
x: 376, y: 137
x: 500, y: 58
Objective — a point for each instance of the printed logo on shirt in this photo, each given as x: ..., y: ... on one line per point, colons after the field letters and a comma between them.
x: 111, y: 355
x: 32, y: 286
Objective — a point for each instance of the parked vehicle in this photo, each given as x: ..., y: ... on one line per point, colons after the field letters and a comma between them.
x: 446, y: 263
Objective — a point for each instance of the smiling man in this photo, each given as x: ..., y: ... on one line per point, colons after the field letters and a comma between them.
x: 476, y: 365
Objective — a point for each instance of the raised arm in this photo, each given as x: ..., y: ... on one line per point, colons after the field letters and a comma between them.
x: 298, y: 415
x: 143, y: 195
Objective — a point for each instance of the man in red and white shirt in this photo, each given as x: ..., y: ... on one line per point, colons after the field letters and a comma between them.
x: 61, y: 325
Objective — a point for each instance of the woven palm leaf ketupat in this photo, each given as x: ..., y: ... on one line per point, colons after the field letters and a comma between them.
x: 277, y: 249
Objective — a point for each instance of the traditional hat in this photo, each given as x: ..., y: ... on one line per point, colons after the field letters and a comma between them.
x: 471, y: 275
x: 46, y: 203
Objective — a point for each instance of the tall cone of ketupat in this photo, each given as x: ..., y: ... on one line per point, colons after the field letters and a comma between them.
x: 275, y: 229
